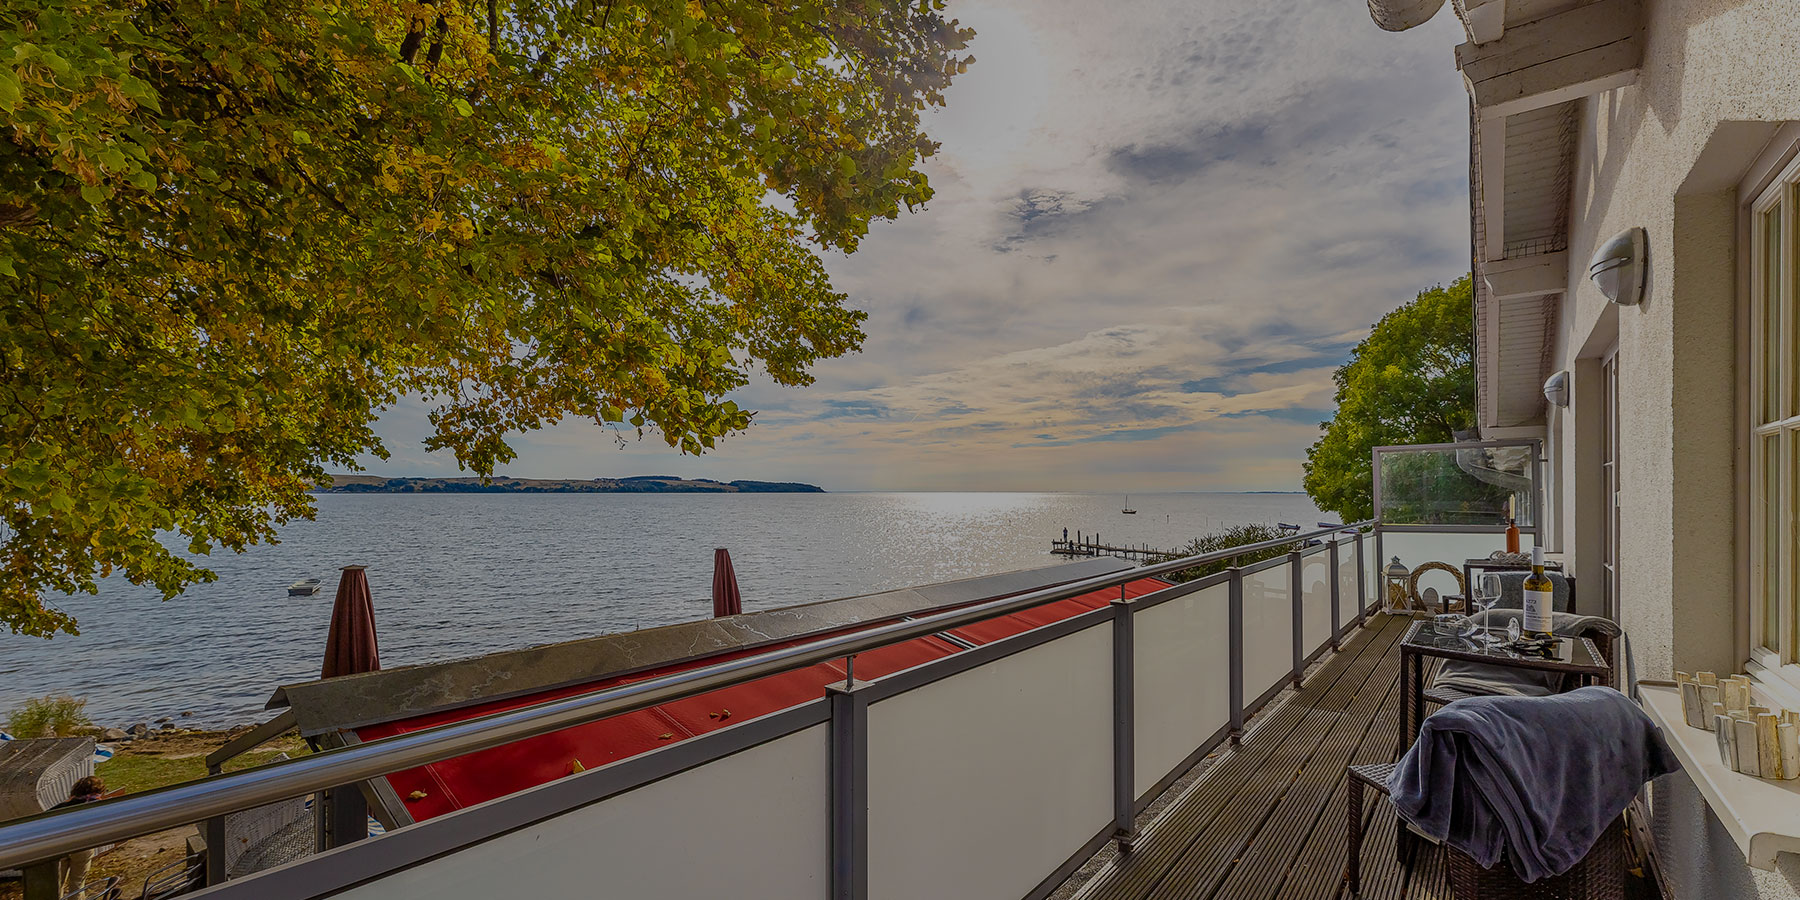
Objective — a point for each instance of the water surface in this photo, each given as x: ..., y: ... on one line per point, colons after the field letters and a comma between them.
x: 462, y: 574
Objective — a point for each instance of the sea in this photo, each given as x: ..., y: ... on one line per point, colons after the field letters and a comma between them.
x: 456, y: 575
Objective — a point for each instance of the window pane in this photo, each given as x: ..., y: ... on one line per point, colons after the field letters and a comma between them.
x: 1770, y: 303
x: 1790, y: 298
x: 1785, y: 597
x: 1768, y: 498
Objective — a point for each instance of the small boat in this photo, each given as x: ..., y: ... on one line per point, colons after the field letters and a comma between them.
x: 1128, y: 510
x: 305, y: 587
x: 1287, y: 526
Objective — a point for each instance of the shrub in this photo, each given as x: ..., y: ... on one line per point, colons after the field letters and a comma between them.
x: 1232, y: 536
x: 58, y: 715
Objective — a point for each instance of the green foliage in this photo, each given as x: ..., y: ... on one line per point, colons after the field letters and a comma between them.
x: 1231, y: 536
x: 230, y: 236
x: 1411, y: 381
x: 58, y: 715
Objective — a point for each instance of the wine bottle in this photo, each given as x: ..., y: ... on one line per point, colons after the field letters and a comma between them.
x: 1539, y: 598
x: 1512, y: 535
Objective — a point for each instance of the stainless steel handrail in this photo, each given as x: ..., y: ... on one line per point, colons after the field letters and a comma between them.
x: 52, y: 835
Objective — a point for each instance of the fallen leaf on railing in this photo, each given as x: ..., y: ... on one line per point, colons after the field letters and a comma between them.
x: 416, y: 796
x: 721, y: 715
x: 665, y: 736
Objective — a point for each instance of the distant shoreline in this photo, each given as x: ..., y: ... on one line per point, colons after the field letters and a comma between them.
x: 502, y: 484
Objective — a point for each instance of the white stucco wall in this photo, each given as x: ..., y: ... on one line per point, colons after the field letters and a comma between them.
x: 1707, y: 62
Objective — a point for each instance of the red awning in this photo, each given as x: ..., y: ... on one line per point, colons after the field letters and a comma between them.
x: 477, y: 777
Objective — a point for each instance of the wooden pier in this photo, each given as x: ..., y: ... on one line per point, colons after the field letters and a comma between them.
x: 1090, y: 545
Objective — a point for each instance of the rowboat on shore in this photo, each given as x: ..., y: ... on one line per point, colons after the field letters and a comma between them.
x: 305, y: 587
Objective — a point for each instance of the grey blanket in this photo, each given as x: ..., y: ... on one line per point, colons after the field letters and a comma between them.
x: 1484, y: 678
x: 1538, y: 778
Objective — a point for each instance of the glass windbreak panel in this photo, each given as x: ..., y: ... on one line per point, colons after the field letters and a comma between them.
x: 1455, y: 486
x: 1769, y: 305
x: 1769, y: 499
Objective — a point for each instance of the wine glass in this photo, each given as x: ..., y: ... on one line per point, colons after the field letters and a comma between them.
x: 1485, y: 594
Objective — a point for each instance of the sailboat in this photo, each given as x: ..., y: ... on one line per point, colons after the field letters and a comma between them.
x: 1128, y: 510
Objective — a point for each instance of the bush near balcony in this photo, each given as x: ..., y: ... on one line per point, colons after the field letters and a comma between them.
x: 58, y: 715
x: 1233, y: 536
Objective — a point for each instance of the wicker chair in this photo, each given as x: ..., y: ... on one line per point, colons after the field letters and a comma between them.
x: 1599, y: 876
x: 1358, y: 779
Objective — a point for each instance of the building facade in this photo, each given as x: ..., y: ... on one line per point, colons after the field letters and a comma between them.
x: 1620, y: 138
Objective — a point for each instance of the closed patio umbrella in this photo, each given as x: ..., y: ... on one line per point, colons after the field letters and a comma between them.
x: 726, y: 599
x: 351, y: 647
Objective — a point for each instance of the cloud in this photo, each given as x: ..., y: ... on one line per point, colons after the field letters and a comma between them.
x: 1158, y: 227
x: 840, y: 409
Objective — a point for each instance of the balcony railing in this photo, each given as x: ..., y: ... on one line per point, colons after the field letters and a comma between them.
x: 993, y: 772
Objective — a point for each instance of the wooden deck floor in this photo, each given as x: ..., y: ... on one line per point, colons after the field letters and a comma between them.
x: 1268, y: 820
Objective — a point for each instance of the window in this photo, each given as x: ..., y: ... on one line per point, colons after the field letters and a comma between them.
x: 1775, y: 423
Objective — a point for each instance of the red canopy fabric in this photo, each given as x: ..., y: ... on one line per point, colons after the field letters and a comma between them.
x: 726, y: 599
x: 351, y: 648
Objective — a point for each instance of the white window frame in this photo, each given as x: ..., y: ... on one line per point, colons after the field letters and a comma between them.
x: 1774, y: 657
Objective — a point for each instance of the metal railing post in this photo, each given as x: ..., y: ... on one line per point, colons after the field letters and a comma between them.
x: 346, y: 817
x: 1124, y: 725
x: 215, y: 850
x: 1294, y: 588
x: 43, y: 881
x: 1235, y: 626
x: 1362, y: 582
x: 1337, y: 590
x: 849, y: 791
x: 1381, y: 598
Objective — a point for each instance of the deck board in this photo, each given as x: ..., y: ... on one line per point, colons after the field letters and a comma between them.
x: 1267, y: 821
x: 1241, y: 778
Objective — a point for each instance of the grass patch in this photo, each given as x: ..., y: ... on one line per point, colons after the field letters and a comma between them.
x: 133, y: 771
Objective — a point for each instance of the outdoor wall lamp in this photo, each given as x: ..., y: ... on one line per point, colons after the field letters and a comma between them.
x: 1556, y: 390
x: 1619, y: 267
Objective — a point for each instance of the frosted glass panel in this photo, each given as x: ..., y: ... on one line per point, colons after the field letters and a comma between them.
x: 1315, y: 591
x: 1347, y: 581
x: 1414, y: 548
x: 1268, y: 631
x: 1181, y: 678
x: 982, y: 783
x: 760, y: 819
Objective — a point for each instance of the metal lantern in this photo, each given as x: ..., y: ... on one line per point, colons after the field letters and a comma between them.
x: 1395, y: 576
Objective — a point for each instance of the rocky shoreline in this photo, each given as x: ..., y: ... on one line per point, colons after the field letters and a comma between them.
x: 161, y: 727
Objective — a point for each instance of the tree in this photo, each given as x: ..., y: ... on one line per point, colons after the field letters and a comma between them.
x: 1411, y: 381
x: 230, y: 235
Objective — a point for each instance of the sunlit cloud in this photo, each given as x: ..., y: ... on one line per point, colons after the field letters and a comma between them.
x: 1158, y: 228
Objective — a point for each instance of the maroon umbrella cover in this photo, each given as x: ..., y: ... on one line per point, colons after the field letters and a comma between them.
x: 351, y: 647
x: 727, y: 601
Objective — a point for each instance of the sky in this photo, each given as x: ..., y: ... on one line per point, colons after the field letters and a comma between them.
x: 1158, y: 227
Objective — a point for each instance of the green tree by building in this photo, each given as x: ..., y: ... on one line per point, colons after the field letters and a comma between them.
x: 1411, y: 381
